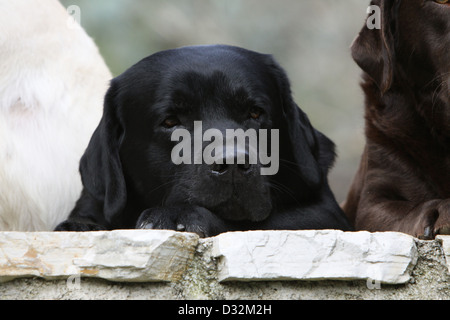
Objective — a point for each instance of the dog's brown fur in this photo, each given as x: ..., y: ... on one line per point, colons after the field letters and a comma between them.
x: 403, y: 183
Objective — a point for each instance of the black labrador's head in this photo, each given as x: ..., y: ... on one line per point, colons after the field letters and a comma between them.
x: 170, y: 114
x: 410, y: 48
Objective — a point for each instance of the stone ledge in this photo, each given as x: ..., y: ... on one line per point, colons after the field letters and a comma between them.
x: 315, y: 255
x: 169, y: 265
x: 124, y: 255
x: 150, y: 256
x: 445, y: 243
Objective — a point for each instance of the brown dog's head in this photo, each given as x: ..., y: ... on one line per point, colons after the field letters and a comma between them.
x: 411, y: 48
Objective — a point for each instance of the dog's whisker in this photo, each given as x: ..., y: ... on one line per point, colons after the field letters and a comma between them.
x: 284, y: 190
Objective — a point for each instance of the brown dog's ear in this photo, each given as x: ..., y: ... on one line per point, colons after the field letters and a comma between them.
x: 100, y: 166
x: 373, y: 50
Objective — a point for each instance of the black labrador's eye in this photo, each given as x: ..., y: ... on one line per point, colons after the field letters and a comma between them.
x: 256, y: 113
x: 171, y: 122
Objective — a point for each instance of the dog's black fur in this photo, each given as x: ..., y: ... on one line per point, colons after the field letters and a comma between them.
x: 130, y: 181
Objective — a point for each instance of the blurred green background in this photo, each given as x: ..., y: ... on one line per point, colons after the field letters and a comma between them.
x: 309, y: 38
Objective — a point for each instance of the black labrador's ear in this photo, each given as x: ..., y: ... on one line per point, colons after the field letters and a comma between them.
x: 100, y: 166
x: 315, y: 157
x: 373, y: 50
x: 312, y: 151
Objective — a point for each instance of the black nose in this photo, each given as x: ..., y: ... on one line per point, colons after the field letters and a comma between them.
x: 225, y: 167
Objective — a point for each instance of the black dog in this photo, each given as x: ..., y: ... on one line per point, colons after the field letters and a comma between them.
x: 131, y: 181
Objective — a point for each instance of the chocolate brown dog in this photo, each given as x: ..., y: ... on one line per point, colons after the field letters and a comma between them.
x: 403, y: 183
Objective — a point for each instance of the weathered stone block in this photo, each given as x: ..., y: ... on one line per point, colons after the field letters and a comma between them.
x: 315, y: 255
x: 123, y: 255
x: 445, y: 240
x: 154, y: 256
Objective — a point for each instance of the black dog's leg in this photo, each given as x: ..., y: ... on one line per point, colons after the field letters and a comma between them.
x: 82, y: 216
x: 183, y: 218
x: 79, y: 226
x: 313, y: 217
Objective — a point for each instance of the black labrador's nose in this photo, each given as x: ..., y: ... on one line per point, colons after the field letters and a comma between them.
x: 235, y: 165
x: 224, y: 168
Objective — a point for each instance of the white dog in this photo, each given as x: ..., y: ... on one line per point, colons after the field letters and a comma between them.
x: 52, y: 84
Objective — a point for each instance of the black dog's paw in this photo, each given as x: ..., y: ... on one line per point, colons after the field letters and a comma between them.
x: 186, y: 219
x: 78, y: 226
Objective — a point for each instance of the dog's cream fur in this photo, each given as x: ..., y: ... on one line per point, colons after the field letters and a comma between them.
x: 52, y: 84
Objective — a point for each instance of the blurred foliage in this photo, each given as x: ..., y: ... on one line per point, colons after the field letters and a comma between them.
x: 309, y: 38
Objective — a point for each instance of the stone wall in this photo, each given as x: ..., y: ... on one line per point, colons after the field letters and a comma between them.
x: 132, y: 264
